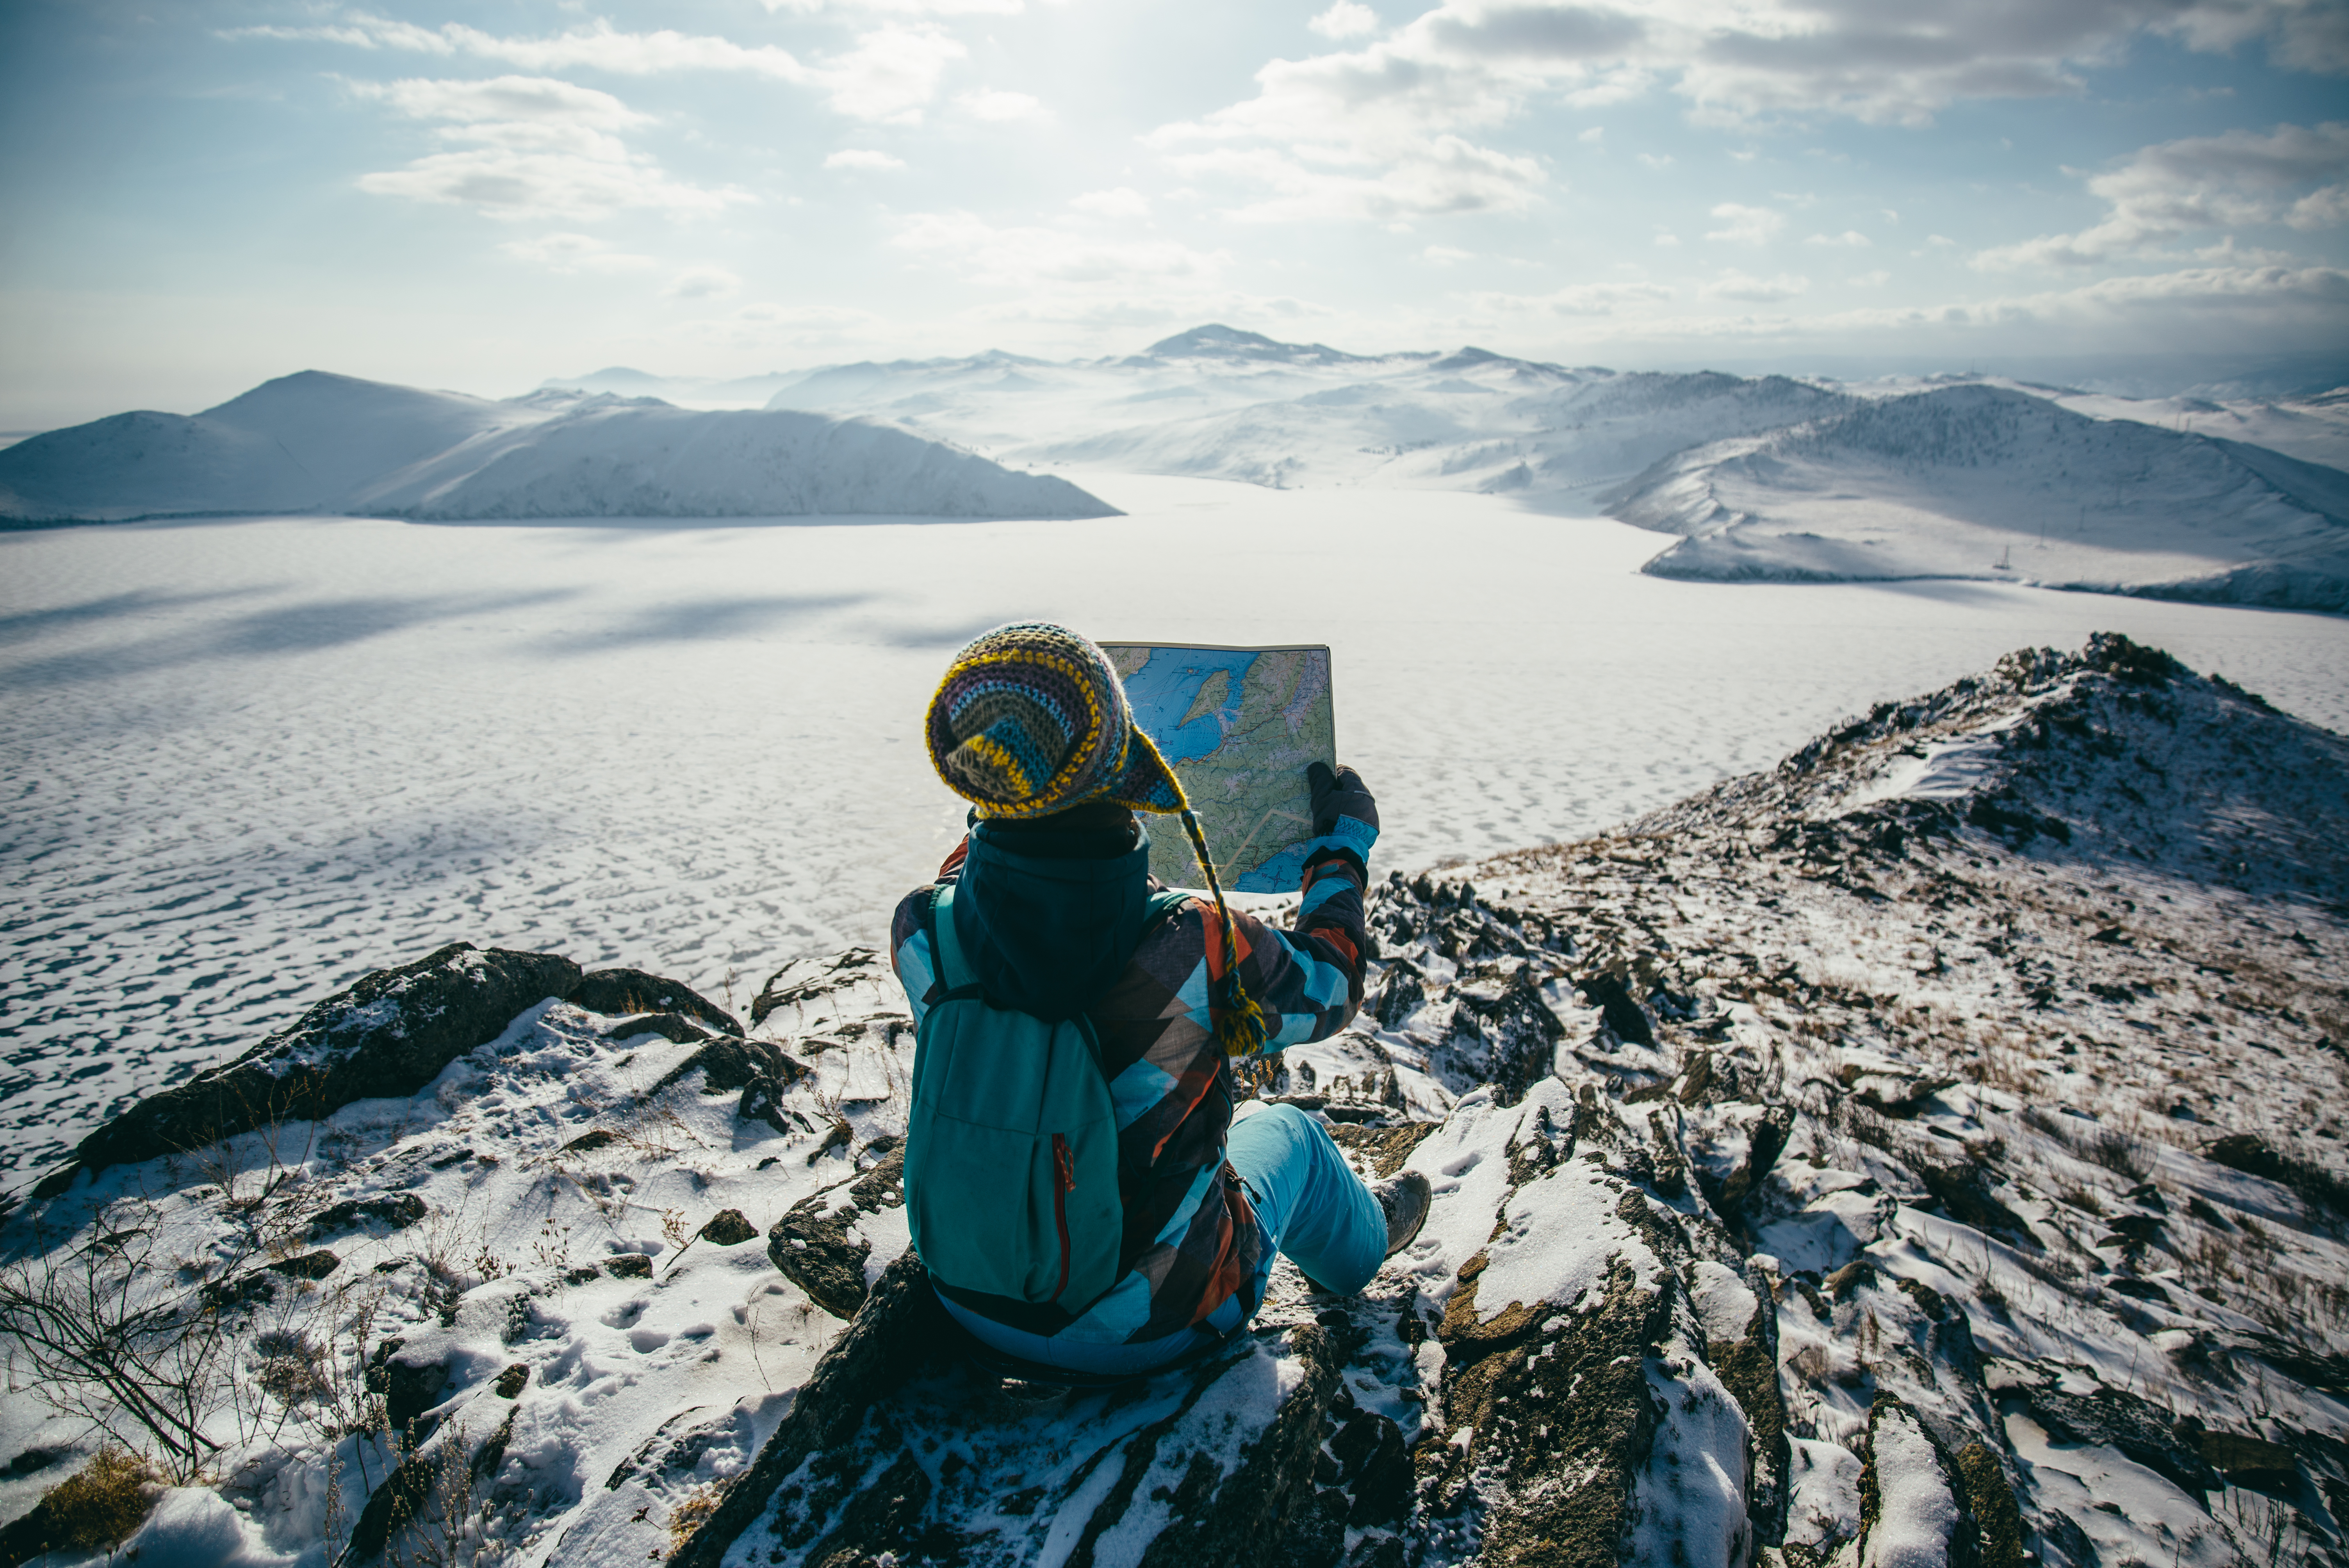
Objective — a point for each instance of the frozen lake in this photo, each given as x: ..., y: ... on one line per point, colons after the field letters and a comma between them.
x: 247, y: 760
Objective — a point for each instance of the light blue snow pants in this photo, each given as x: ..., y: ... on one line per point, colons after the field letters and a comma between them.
x: 1311, y: 1205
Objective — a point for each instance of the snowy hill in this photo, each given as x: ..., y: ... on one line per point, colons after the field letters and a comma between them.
x: 320, y: 443
x: 1875, y: 1158
x: 1993, y: 483
x: 1213, y: 341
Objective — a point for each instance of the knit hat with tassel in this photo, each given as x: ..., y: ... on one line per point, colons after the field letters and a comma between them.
x: 1031, y: 719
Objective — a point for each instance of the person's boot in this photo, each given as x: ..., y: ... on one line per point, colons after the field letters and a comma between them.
x: 1404, y: 1200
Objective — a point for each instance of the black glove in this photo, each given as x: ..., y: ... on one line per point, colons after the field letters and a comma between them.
x: 1341, y: 794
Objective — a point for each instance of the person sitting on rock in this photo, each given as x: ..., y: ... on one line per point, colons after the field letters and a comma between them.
x: 1077, y: 1182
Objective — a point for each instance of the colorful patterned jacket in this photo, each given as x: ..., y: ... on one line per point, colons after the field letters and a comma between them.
x: 1190, y: 1236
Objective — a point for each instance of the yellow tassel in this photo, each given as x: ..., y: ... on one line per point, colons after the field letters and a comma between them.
x: 1241, y: 1030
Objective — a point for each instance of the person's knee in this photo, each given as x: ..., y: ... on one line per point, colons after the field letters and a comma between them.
x: 1297, y: 1126
x: 1270, y: 1133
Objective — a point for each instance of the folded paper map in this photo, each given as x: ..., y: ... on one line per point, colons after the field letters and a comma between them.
x: 1240, y: 727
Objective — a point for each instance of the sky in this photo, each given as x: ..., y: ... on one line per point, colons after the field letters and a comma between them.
x: 201, y: 194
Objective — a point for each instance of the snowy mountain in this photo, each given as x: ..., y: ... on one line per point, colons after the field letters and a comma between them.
x: 1993, y: 483
x: 320, y: 443
x: 1927, y: 1150
x: 1215, y: 342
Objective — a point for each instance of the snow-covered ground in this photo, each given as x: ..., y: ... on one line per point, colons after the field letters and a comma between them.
x: 246, y: 761
x: 1918, y: 1151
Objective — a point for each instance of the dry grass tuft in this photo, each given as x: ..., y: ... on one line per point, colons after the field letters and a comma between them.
x: 102, y: 1504
x: 688, y: 1515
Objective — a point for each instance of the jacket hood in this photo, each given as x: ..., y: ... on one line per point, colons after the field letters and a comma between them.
x: 1048, y: 935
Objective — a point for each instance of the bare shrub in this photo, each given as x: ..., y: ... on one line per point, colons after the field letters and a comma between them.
x: 437, y: 1520
x: 289, y: 1366
x: 2080, y: 1198
x: 2119, y: 1152
x: 2039, y: 1119
x: 119, y: 1342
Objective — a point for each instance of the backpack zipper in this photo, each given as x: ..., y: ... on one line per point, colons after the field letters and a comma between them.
x: 1064, y: 1171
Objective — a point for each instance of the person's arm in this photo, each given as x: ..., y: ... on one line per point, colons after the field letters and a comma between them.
x: 1308, y: 979
x: 910, y: 953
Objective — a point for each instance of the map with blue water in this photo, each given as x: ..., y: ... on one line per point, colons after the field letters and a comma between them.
x: 1240, y: 727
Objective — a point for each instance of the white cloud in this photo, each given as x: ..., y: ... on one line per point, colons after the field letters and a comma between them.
x: 2233, y: 308
x: 1875, y: 279
x: 765, y: 325
x: 1668, y: 240
x: 1120, y: 202
x: 1575, y: 300
x: 1023, y: 256
x: 1450, y: 174
x: 2200, y: 183
x: 1734, y: 284
x: 1657, y: 159
x: 888, y: 74
x: 1345, y: 19
x: 1745, y: 225
x: 1851, y: 237
x: 2227, y: 254
x: 538, y: 149
x: 2321, y: 209
x: 1445, y: 255
x: 599, y: 46
x: 533, y: 100
x: 702, y: 283
x: 1003, y: 107
x: 566, y: 253
x: 904, y: 7
x: 1596, y: 133
x: 1377, y: 129
x: 863, y: 158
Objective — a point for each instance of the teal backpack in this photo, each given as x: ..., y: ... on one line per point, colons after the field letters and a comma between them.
x: 1012, y: 1146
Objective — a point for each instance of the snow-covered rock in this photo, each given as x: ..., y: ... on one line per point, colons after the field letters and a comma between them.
x: 322, y: 443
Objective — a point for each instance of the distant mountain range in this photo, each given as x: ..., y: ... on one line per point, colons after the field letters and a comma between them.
x: 314, y: 442
x: 1766, y: 477
x: 1769, y: 476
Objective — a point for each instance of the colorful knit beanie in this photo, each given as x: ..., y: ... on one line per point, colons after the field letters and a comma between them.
x: 1031, y: 719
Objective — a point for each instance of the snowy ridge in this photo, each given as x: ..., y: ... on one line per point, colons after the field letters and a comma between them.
x: 320, y: 443
x: 1993, y: 482
x: 1876, y: 1159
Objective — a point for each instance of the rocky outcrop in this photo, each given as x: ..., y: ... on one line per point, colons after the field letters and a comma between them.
x: 390, y: 1034
x: 625, y: 993
x: 1912, y: 1499
x: 820, y: 1243
x: 902, y: 1331
x: 760, y: 1069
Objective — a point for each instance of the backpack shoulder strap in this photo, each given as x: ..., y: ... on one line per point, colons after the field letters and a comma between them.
x: 954, y: 974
